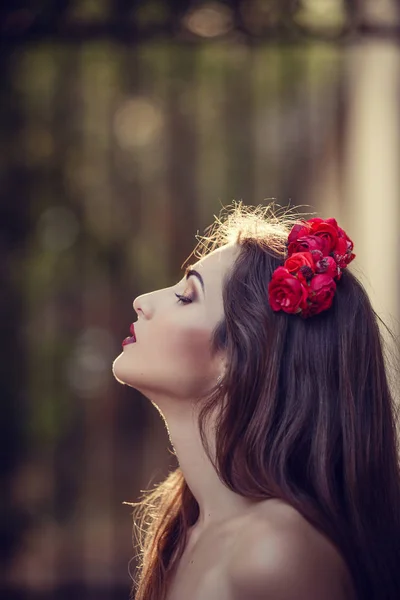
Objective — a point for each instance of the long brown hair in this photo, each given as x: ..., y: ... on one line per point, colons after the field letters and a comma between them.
x: 311, y: 419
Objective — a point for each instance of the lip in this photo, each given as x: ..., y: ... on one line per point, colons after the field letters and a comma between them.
x: 132, y: 339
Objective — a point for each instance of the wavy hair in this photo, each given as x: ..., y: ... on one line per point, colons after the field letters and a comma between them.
x: 311, y: 420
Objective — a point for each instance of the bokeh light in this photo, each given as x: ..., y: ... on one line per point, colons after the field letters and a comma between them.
x: 209, y: 20
x: 137, y: 123
x: 88, y: 368
x: 57, y: 228
x: 322, y: 15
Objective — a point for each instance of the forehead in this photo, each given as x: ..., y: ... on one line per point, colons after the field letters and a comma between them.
x: 218, y: 262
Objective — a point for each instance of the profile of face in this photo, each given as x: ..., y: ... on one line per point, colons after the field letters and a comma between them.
x: 172, y: 355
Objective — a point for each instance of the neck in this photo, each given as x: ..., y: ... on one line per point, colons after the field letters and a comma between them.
x: 217, y: 503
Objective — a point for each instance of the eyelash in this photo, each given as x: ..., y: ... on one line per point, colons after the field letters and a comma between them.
x: 184, y: 299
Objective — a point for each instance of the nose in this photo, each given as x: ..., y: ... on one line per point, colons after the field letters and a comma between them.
x: 141, y: 306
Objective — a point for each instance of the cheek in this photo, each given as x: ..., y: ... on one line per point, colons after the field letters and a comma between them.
x: 171, y: 356
x: 185, y: 347
x: 175, y: 358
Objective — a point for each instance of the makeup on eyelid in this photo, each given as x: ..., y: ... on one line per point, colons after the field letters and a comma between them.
x: 184, y: 299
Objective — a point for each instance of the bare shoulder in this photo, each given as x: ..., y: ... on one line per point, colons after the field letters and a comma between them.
x: 279, y: 555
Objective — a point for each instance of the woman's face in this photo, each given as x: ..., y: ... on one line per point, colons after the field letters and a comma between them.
x: 172, y: 353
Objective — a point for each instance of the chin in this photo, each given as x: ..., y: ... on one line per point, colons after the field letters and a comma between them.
x: 121, y: 371
x: 125, y: 374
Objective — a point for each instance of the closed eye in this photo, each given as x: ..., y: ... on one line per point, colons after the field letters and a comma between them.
x: 184, y: 299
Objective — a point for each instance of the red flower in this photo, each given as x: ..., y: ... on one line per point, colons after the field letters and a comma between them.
x: 300, y: 259
x: 317, y: 252
x: 317, y: 255
x: 286, y: 292
x: 307, y: 243
x: 327, y: 230
x: 329, y: 266
x: 324, y: 235
x: 300, y: 230
x: 315, y: 222
x: 320, y: 295
x: 342, y: 252
x: 343, y: 234
x: 301, y: 264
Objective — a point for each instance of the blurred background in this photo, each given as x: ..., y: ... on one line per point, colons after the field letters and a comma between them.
x: 125, y: 126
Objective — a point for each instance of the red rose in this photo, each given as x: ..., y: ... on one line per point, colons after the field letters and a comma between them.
x: 301, y: 264
x: 327, y: 230
x: 317, y: 255
x: 300, y: 230
x: 349, y: 257
x: 307, y: 243
x: 342, y: 252
x: 315, y: 224
x: 314, y: 221
x: 300, y: 259
x: 328, y: 266
x: 286, y: 292
x: 320, y: 294
x: 341, y: 246
x: 317, y: 252
x: 343, y: 235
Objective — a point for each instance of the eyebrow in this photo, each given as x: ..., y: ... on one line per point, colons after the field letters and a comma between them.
x: 189, y: 271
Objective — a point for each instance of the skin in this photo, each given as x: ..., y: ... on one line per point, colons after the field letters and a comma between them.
x: 171, y: 364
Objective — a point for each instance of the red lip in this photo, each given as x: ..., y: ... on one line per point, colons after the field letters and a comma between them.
x: 132, y: 339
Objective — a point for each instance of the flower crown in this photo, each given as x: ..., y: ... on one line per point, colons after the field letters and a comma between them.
x: 318, y: 251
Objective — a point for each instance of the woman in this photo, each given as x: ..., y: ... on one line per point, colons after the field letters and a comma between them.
x: 266, y: 363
